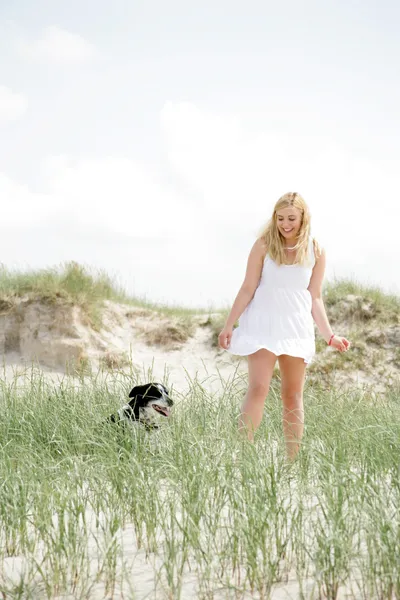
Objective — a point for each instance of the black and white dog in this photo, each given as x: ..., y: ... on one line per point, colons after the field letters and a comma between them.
x: 150, y: 405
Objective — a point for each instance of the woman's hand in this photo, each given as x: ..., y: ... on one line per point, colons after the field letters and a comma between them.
x: 224, y: 338
x: 340, y: 343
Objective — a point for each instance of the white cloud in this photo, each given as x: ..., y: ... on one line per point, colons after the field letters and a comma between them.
x: 12, y: 105
x: 58, y: 46
x: 117, y: 194
x: 110, y: 212
x: 21, y: 206
x: 240, y: 175
x: 192, y: 245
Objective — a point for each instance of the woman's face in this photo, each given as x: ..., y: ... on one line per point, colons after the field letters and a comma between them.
x: 288, y: 222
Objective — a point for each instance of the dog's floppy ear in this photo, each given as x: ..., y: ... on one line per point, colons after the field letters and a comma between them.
x: 138, y: 390
x: 137, y: 398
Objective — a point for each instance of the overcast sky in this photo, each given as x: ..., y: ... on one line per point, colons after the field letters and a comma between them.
x: 153, y: 138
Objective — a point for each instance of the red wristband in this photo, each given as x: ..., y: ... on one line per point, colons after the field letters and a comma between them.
x: 332, y: 336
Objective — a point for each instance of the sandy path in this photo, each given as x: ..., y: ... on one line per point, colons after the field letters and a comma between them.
x: 194, y: 360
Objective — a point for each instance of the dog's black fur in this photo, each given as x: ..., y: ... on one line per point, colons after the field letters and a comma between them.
x: 150, y: 404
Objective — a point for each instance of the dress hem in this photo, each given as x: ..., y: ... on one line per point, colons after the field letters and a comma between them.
x: 307, y: 360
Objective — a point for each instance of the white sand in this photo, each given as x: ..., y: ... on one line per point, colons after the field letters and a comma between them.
x: 194, y: 360
x: 142, y: 576
x: 48, y: 338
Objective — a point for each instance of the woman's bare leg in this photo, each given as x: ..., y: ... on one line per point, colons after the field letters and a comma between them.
x: 260, y: 367
x: 292, y: 383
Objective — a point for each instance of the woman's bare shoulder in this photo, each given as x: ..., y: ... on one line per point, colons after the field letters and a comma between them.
x: 261, y: 247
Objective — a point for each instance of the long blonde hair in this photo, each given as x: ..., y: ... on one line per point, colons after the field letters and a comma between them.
x: 273, y: 239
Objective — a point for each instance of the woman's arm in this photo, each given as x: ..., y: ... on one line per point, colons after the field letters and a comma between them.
x: 255, y: 263
x: 318, y: 308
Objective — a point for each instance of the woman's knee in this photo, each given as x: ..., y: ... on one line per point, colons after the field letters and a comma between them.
x: 259, y: 389
x: 292, y: 399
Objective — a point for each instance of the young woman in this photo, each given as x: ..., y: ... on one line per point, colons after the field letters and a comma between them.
x: 280, y: 297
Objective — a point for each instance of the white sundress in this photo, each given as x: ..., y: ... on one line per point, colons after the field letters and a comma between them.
x: 278, y: 317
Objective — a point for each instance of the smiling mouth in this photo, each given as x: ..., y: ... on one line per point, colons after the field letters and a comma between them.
x: 162, y: 410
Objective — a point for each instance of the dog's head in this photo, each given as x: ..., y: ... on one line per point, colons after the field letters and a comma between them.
x: 149, y: 404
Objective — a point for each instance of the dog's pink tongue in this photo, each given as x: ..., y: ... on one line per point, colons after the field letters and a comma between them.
x: 163, y: 410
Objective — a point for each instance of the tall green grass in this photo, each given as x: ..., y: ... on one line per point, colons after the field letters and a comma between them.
x: 76, y: 284
x: 194, y: 511
x: 383, y: 307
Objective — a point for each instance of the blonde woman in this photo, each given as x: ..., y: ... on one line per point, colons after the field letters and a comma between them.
x: 280, y: 297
